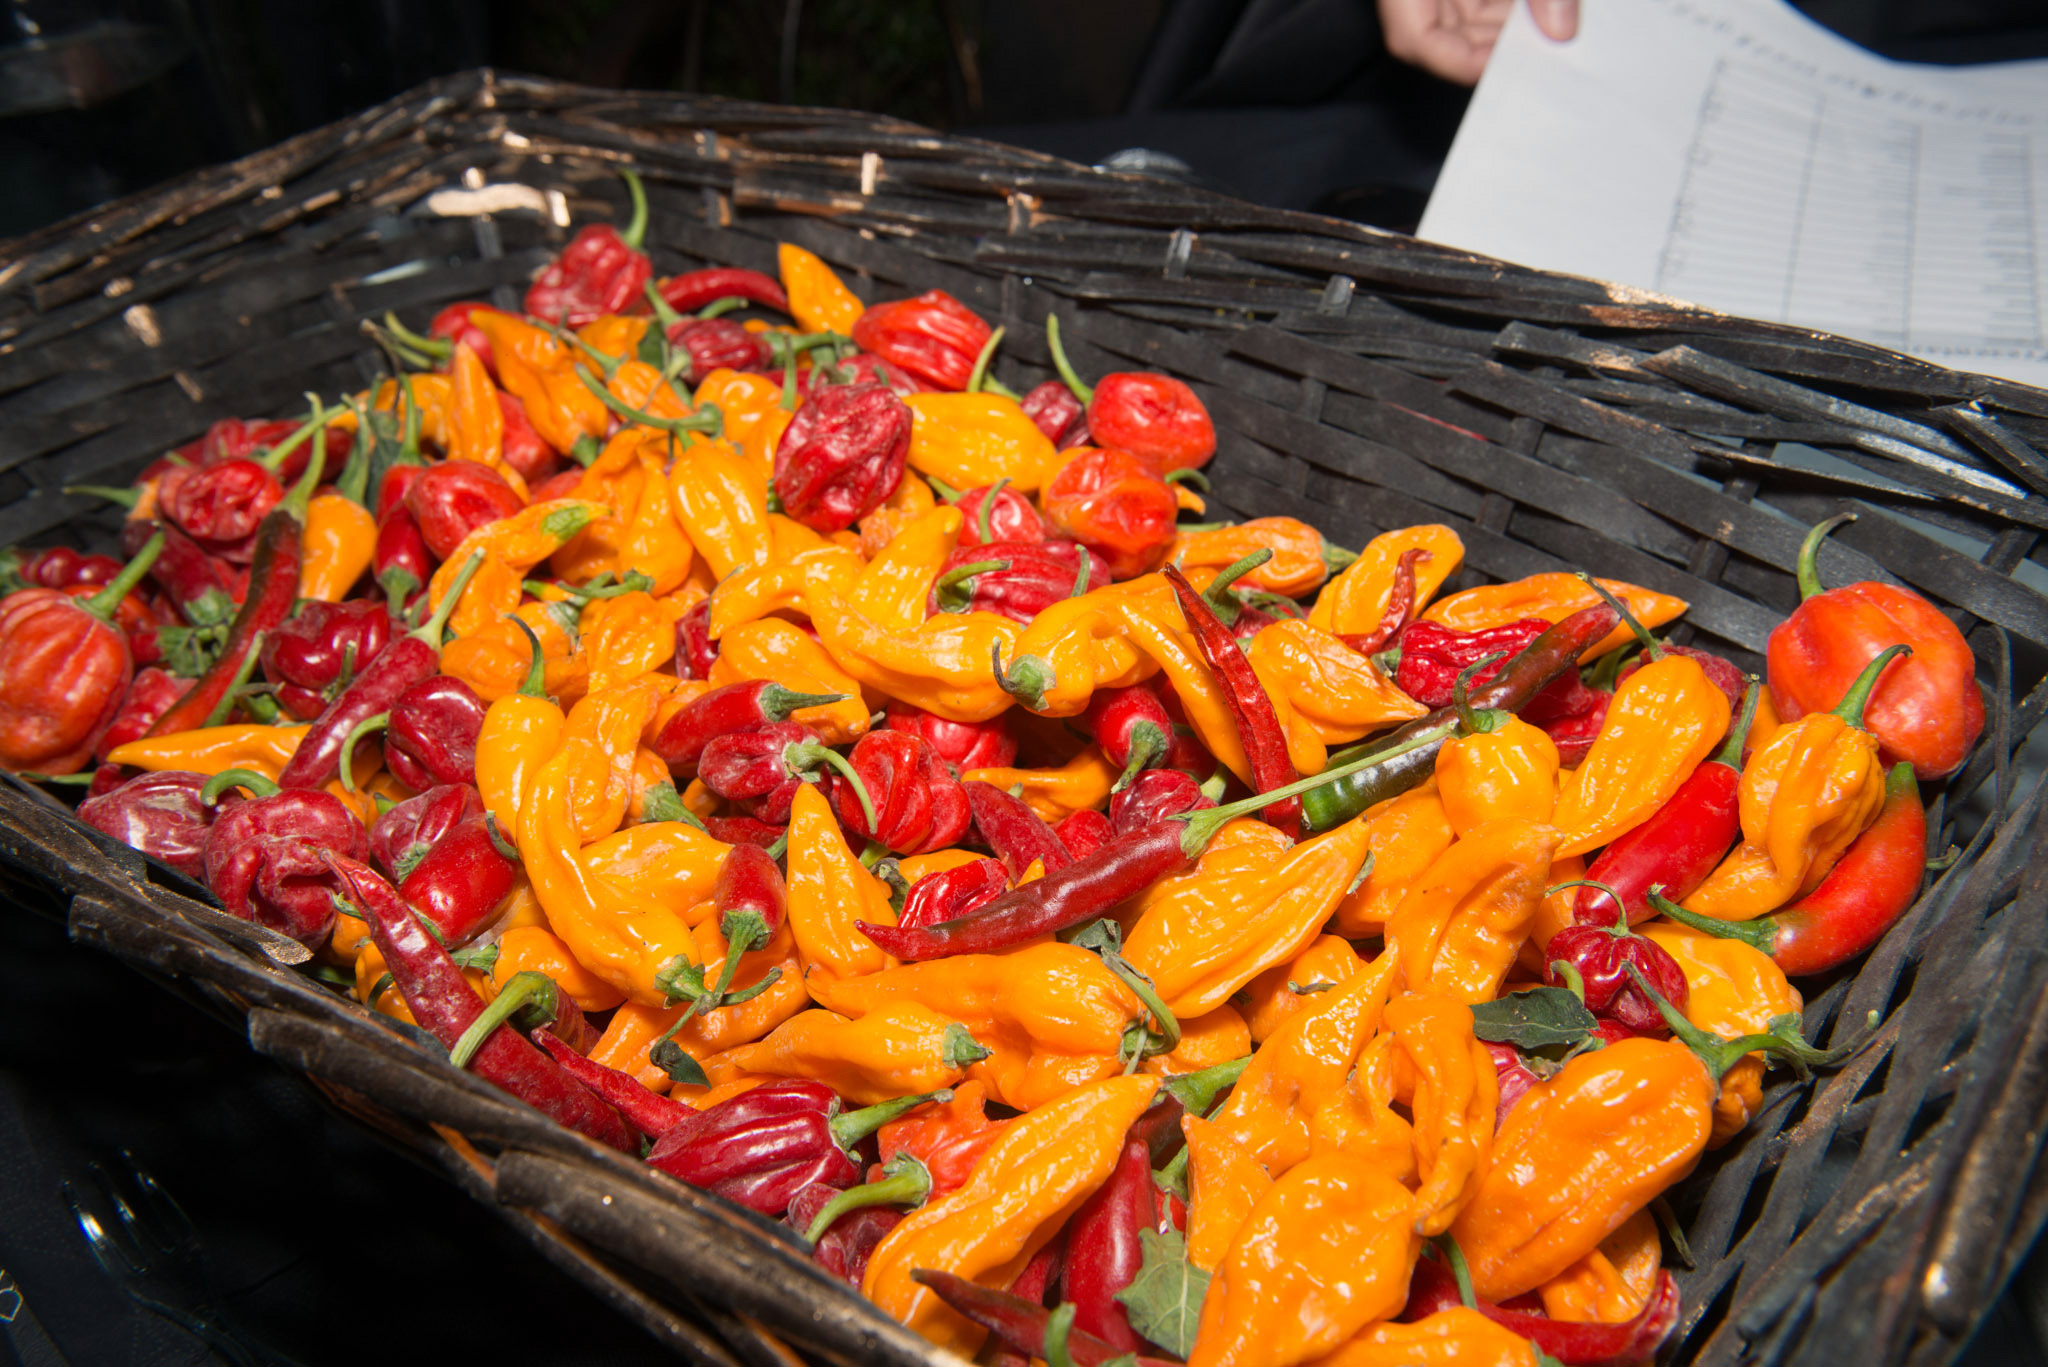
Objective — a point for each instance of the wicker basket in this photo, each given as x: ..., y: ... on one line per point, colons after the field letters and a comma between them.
x: 1360, y: 381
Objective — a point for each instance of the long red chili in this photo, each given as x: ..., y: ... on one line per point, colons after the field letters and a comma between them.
x: 1400, y: 606
x: 722, y: 711
x: 1258, y: 725
x: 651, y: 1113
x: 1133, y: 728
x: 1020, y: 1325
x: 693, y: 290
x: 443, y: 1002
x: 1016, y: 833
x: 1104, y: 1253
x: 1626, y: 1344
x: 1677, y: 848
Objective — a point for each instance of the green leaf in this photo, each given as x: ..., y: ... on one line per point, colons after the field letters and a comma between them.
x: 670, y: 1058
x: 1164, y: 1300
x: 1534, y: 1018
x: 1101, y: 934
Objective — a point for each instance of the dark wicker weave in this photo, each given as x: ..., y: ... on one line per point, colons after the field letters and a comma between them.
x: 1359, y: 380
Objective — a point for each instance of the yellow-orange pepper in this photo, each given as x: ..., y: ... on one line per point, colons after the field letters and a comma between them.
x: 1456, y: 1337
x: 968, y: 440
x: 1731, y: 990
x: 722, y: 503
x: 214, y: 749
x: 611, y: 719
x: 1507, y: 772
x: 1354, y: 603
x: 1045, y: 1164
x: 520, y: 732
x: 1459, y: 928
x: 1339, y: 693
x: 782, y: 652
x: 432, y: 394
x: 477, y: 422
x: 1359, y: 1119
x: 892, y: 589
x: 752, y: 592
x: 510, y: 547
x: 943, y: 666
x: 538, y: 949
x: 1224, y: 1183
x: 495, y: 659
x: 1285, y: 990
x: 829, y: 892
x: 541, y: 373
x: 670, y: 862
x: 1452, y: 1095
x: 640, y: 533
x: 1301, y: 561
x: 817, y: 299
x: 1582, y: 1152
x: 339, y: 540
x: 1409, y: 832
x: 907, y: 502
x: 1665, y: 718
x: 751, y: 408
x: 901, y: 1049
x: 1554, y: 597
x: 1082, y: 783
x: 1612, y: 1284
x: 1206, y: 1040
x: 1078, y: 645
x: 1323, y: 1254
x: 627, y: 637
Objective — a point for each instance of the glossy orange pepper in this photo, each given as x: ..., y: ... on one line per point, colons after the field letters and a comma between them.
x: 1113, y: 503
x: 336, y: 547
x: 510, y: 547
x: 1358, y: 1119
x: 1224, y: 1183
x: 817, y: 299
x: 640, y: 533
x: 1612, y: 1284
x: 541, y: 373
x: 1553, y: 597
x: 783, y: 653
x: 1665, y: 718
x: 612, y: 720
x: 477, y: 426
x: 970, y: 440
x: 1079, y: 645
x: 1509, y: 772
x: 1301, y: 561
x: 627, y: 637
x: 1339, y: 693
x: 942, y: 666
x: 1286, y: 990
x: 828, y: 892
x: 900, y: 1050
x: 1452, y: 1094
x: 214, y: 749
x: 910, y: 500
x: 1081, y: 784
x: 1355, y: 602
x: 538, y: 949
x: 1409, y: 832
x: 1450, y: 1338
x: 752, y: 592
x: 494, y: 659
x: 750, y: 407
x: 1459, y: 928
x: 1206, y: 1040
x: 722, y: 503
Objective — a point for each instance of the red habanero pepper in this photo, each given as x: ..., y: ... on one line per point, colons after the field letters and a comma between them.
x: 841, y: 455
x: 220, y: 505
x: 1114, y: 504
x: 1155, y: 417
x: 319, y: 649
x: 1018, y: 835
x: 964, y: 745
x: 235, y: 439
x: 397, y: 483
x: 453, y: 325
x: 1021, y: 1325
x: 1094, y: 884
x: 59, y: 567
x: 1132, y: 727
x: 1926, y: 709
x: 601, y: 271
x: 1055, y: 411
x: 760, y: 767
x: 401, y: 563
x: 265, y: 858
x: 934, y: 337
x: 1015, y: 579
x: 995, y: 512
x: 1868, y: 889
x: 64, y: 669
x: 1104, y: 1254
x: 851, y: 1240
x: 160, y: 814
x: 148, y: 696
x: 447, y: 858
x: 522, y: 448
x: 917, y: 804
x: 718, y: 344
x: 1084, y: 832
x: 445, y: 1005
x: 432, y: 735
x: 1573, y: 1344
x: 366, y: 703
x: 745, y: 830
x: 1676, y: 849
x: 696, y: 652
x: 651, y: 1113
x: 905, y: 1181
x: 1258, y: 725
x: 1152, y: 797
x: 1602, y: 956
x: 722, y: 711
x: 273, y: 591
x: 948, y: 1139
x: 953, y: 892
x: 693, y: 290
x: 1400, y: 607
x: 453, y: 498
x: 862, y: 368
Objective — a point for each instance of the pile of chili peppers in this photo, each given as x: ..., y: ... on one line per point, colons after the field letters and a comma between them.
x: 724, y: 717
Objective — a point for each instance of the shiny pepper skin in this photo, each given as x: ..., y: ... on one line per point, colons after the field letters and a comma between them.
x: 1015, y: 579
x: 308, y: 655
x: 954, y: 892
x: 59, y: 568
x: 596, y: 274
x: 841, y: 455
x: 1509, y: 772
x: 263, y: 859
x: 1058, y: 414
x: 1661, y: 725
x: 433, y: 733
x: 453, y: 324
x: 1116, y: 505
x: 443, y: 856
x: 863, y: 368
x: 746, y: 768
x: 454, y: 498
x: 696, y: 652
x: 934, y: 337
x: 148, y: 697
x: 161, y: 815
x: 919, y: 805
x: 1152, y: 797
x: 63, y: 672
x: 1154, y: 417
x: 718, y: 344
x: 219, y: 505
x: 760, y: 1148
x: 1433, y: 655
x: 964, y: 745
x: 995, y: 513
x: 1602, y: 956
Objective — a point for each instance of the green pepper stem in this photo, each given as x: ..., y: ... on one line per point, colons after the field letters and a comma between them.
x: 979, y: 374
x: 103, y: 603
x: 984, y: 519
x: 789, y: 379
x: 665, y: 316
x: 777, y: 702
x: 1028, y: 676
x: 1336, y: 559
x: 1574, y: 981
x: 850, y: 1127
x: 127, y: 498
x: 1195, y: 479
x: 1174, y: 1176
x: 1149, y: 745
x: 296, y: 501
x: 609, y: 364
x: 520, y: 991
x: 634, y: 582
x: 223, y: 709
x: 1461, y: 1271
x: 367, y: 726
x: 909, y: 1183
x: 636, y: 226
x: 801, y: 755
x: 430, y: 630
x: 1730, y: 753
x: 1197, y: 1091
x: 1850, y: 708
x: 1652, y: 647
x: 273, y: 459
x: 1164, y: 1035
x: 705, y: 417
x: 1203, y: 825
x: 257, y: 784
x: 441, y: 349
x: 1473, y: 721
x: 1719, y: 1055
x: 1760, y: 934
x: 1620, y: 926
x: 1808, y: 566
x: 953, y: 597
x: 1221, y: 601
x: 1083, y: 392
x: 533, y: 686
x: 718, y: 308
x: 946, y: 492
x: 1059, y: 1327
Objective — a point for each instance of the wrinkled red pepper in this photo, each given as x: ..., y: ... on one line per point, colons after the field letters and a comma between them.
x: 718, y: 344
x: 994, y: 513
x: 1155, y: 417
x: 842, y: 455
x: 160, y: 814
x: 845, y: 1248
x: 723, y: 711
x: 934, y: 337
x: 1055, y: 411
x: 265, y: 858
x: 522, y: 448
x: 319, y: 649
x: 964, y: 745
x: 1015, y: 579
x: 59, y: 567
x: 918, y: 805
x: 1152, y: 797
x: 1627, y: 1344
x: 745, y: 830
x: 1114, y: 504
x: 953, y: 892
x: 696, y: 652
x: 1258, y: 725
x: 433, y: 731
x: 152, y: 692
x: 447, y: 858
x: 861, y: 368
x: 1019, y: 1325
x: 1018, y: 835
x: 759, y: 769
x: 453, y: 498
x: 601, y: 271
x: 1133, y: 728
x: 454, y: 325
x: 220, y: 505
x: 1601, y: 956
x: 1084, y: 832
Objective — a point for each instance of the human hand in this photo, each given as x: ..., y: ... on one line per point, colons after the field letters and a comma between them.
x: 1453, y: 38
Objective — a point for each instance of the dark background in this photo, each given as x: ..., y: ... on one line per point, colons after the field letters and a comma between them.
x: 324, y: 1244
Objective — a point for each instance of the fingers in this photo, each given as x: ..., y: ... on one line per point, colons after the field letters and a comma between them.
x: 1448, y: 38
x: 1558, y: 20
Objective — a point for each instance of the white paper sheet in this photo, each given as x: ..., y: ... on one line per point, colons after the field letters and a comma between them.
x: 1734, y: 154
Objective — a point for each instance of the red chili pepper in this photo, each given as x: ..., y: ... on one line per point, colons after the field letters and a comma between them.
x: 953, y: 892
x: 1927, y: 708
x: 696, y: 652
x: 949, y: 1140
x: 964, y: 745
x: 454, y: 498
x: 396, y: 484
x: 1017, y: 834
x: 202, y: 588
x: 1155, y: 417
x: 1400, y: 606
x: 148, y: 696
x: 760, y: 768
x: 220, y: 505
x: 160, y: 814
x: 601, y: 271
x: 401, y: 562
x: 1432, y: 657
x: 272, y: 593
x: 433, y: 731
x: 448, y: 859
x: 521, y: 447
x: 1152, y: 797
x: 1057, y: 413
x: 1116, y: 505
x: 934, y: 337
x: 236, y: 439
x: 846, y: 1246
x: 723, y: 711
x: 917, y: 804
x: 1132, y: 727
x: 318, y: 650
x: 995, y: 513
x: 1084, y: 832
x: 648, y: 1112
x: 762, y: 1147
x: 265, y: 858
x: 693, y: 290
x: 64, y: 669
x: 718, y: 344
x: 59, y: 567
x: 1020, y: 1325
x: 445, y: 1005
x: 1104, y: 1254
x: 1015, y: 579
x: 1679, y: 846
x: 1258, y: 725
x: 744, y: 830
x: 367, y: 702
x: 1602, y: 957
x: 1628, y: 1344
x: 454, y: 325
x: 841, y: 455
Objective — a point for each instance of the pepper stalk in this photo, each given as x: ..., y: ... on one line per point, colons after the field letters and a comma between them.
x: 908, y: 1183
x: 530, y: 995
